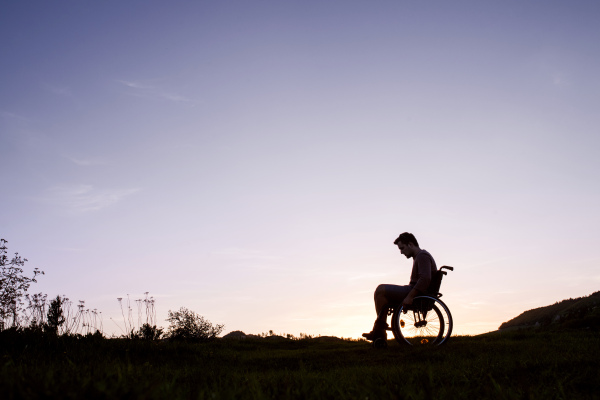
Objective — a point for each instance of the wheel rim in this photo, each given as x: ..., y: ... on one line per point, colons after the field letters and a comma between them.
x: 426, y: 323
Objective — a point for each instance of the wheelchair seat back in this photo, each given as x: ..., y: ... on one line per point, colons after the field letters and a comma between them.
x: 436, y: 282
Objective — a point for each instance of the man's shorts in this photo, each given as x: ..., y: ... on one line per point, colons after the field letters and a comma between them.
x: 395, y: 294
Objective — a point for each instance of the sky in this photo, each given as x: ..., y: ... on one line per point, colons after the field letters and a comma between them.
x: 253, y: 161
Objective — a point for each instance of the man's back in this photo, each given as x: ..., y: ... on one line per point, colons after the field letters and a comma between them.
x: 423, y: 271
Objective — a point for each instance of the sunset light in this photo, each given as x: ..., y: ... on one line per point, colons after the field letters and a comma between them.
x: 253, y: 161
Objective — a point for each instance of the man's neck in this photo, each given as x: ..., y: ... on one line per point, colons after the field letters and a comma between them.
x: 417, y: 251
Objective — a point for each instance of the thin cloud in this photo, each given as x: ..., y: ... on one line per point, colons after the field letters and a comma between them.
x: 237, y: 253
x: 12, y: 116
x: 136, y: 85
x: 86, y: 198
x: 175, y: 97
x: 67, y: 249
x: 59, y: 90
x: 145, y: 90
x: 86, y: 162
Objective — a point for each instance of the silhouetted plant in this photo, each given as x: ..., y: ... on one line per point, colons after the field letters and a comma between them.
x: 71, y: 325
x: 148, y: 332
x: 55, y: 318
x: 145, y: 308
x: 88, y: 321
x: 81, y: 321
x: 148, y: 304
x: 13, y: 286
x: 34, y: 314
x: 128, y: 321
x: 188, y: 325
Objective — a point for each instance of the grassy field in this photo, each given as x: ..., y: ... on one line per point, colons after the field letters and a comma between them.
x: 514, y: 365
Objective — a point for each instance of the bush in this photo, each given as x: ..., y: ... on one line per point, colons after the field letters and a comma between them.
x: 55, y: 317
x: 188, y: 325
x: 13, y: 287
x: 147, y: 332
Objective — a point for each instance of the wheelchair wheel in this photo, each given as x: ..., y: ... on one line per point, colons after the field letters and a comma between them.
x: 427, y: 322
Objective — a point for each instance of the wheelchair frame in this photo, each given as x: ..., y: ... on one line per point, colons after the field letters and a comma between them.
x: 427, y: 322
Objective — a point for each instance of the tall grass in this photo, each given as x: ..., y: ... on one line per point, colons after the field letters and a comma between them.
x: 79, y: 319
x: 540, y: 365
x: 146, y: 313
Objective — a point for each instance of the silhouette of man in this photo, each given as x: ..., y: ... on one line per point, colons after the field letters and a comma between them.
x: 423, y: 270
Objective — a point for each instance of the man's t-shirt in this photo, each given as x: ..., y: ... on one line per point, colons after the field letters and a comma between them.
x: 423, y: 270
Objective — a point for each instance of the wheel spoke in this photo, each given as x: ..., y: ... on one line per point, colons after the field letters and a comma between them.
x: 428, y: 322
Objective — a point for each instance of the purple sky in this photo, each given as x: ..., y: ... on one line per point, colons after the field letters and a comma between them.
x: 254, y: 161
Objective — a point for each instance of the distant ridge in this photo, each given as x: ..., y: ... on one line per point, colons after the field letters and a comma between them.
x: 239, y: 335
x: 579, y: 313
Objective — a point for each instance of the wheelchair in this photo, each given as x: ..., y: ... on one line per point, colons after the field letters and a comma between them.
x: 426, y: 322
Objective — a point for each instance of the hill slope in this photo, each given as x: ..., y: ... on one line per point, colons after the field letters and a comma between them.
x: 582, y: 312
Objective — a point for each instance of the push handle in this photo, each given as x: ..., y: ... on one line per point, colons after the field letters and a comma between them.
x: 447, y: 267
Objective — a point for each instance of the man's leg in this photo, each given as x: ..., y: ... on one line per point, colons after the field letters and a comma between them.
x: 385, y: 295
x: 381, y: 303
x: 381, y: 309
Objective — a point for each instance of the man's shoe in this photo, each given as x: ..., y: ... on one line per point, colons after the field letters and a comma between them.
x: 378, y: 332
x: 374, y: 335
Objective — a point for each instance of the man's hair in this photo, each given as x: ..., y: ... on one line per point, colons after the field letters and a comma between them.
x: 406, y: 238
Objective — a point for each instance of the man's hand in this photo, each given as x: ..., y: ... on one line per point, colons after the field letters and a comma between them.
x: 408, y: 300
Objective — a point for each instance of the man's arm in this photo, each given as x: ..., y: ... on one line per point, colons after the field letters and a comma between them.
x: 423, y: 278
x: 408, y: 300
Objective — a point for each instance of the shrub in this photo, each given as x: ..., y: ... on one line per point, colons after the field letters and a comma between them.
x: 13, y: 287
x: 188, y: 325
x: 147, y: 332
x: 55, y: 316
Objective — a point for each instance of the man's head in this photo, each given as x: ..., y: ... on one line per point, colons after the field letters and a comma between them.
x: 408, y: 245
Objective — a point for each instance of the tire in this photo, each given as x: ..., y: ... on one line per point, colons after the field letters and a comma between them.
x: 427, y: 322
